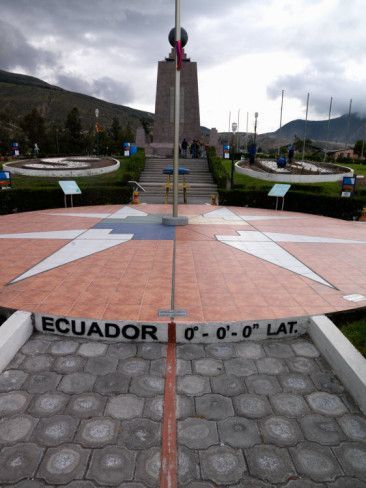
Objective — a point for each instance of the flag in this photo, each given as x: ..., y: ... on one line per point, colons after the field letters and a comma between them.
x: 179, y: 51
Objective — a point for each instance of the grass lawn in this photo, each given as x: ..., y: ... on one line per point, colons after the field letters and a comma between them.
x: 113, y: 179
x: 356, y: 333
x: 330, y: 188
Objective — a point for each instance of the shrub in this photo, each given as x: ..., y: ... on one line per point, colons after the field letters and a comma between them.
x: 25, y: 200
x: 330, y: 206
x: 217, y: 169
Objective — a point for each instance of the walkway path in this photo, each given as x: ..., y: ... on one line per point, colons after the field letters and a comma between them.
x: 253, y: 414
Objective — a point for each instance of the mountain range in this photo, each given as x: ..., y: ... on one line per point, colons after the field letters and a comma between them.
x: 19, y: 94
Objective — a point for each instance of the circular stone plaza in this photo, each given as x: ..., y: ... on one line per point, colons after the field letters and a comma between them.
x: 142, y: 355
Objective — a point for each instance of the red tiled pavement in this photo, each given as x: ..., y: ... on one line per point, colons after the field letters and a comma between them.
x: 214, y: 282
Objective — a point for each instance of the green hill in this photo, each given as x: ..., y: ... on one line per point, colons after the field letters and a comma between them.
x: 19, y: 94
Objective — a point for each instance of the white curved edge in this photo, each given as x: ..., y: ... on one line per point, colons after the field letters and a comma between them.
x: 283, y: 178
x: 61, y: 173
x: 346, y: 361
x: 14, y: 333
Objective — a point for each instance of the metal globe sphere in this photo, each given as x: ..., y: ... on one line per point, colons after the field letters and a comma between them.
x: 183, y: 35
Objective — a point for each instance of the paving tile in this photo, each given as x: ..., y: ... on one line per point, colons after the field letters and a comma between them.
x: 197, y: 433
x: 280, y: 431
x: 16, y: 429
x: 111, y: 465
x: 19, y: 461
x: 49, y: 403
x: 13, y: 402
x: 101, y: 365
x: 98, y: 432
x: 315, y: 461
x: 269, y: 463
x: 289, y: 405
x: 222, y: 464
x: 262, y: 384
x: 68, y: 364
x: 251, y: 405
x: 193, y: 385
x: 352, y: 457
x: 188, y: 466
x: 326, y: 404
x: 296, y: 383
x: 42, y: 382
x: 63, y: 464
x: 321, y: 429
x: 354, y: 426
x: 214, y: 407
x: 77, y: 383
x: 140, y: 434
x: 208, y: 366
x: 125, y: 406
x: 228, y: 385
x: 12, y: 380
x: 55, y: 430
x: 133, y: 366
x: 239, y: 432
x: 148, y: 465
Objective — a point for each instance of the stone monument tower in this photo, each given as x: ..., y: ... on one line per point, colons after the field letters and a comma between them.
x: 163, y: 135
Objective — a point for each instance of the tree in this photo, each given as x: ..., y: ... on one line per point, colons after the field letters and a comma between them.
x: 73, y: 136
x: 33, y: 124
x: 359, y: 146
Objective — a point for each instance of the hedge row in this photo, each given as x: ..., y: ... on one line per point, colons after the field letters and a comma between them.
x: 330, y: 206
x: 25, y: 200
x: 134, y: 166
x: 217, y: 169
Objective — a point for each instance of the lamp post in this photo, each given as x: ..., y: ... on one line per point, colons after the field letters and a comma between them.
x: 234, y: 127
x: 255, y: 127
x: 96, y: 128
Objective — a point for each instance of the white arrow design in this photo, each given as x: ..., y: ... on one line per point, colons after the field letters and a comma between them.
x: 90, y: 242
x: 263, y: 245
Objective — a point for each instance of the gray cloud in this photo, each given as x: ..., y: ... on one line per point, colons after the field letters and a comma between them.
x: 105, y: 88
x: 322, y: 86
x: 15, y: 51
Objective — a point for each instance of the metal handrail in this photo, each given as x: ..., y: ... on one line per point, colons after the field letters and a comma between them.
x: 137, y: 185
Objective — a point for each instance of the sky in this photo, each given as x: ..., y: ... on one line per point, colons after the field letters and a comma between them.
x: 247, y: 52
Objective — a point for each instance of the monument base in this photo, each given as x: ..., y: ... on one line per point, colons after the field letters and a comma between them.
x: 162, y: 149
x: 175, y: 221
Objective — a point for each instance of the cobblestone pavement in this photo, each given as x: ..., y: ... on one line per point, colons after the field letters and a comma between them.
x: 249, y: 415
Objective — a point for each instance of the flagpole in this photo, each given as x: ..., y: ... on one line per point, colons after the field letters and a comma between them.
x: 279, y: 135
x: 176, y: 114
x: 330, y: 111
x: 349, y: 122
x: 306, y: 121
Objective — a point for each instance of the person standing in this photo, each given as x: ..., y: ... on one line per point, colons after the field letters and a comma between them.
x: 184, y: 147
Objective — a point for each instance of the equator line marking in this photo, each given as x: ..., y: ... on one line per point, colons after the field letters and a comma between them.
x: 168, y: 471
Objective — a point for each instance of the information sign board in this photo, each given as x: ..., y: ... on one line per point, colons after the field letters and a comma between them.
x: 5, y: 179
x: 348, y: 186
x: 70, y: 187
x: 279, y: 190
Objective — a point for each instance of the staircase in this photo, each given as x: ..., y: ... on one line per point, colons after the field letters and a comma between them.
x: 152, y: 179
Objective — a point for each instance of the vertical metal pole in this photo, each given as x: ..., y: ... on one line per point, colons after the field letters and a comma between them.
x: 176, y: 116
x: 363, y: 142
x: 246, y: 131
x: 349, y: 122
x: 306, y: 121
x: 330, y: 111
x: 229, y: 129
x: 279, y: 134
x: 238, y: 136
x: 255, y: 127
